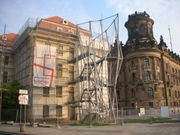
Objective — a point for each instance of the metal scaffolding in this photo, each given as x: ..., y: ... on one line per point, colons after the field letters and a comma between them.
x: 98, y: 60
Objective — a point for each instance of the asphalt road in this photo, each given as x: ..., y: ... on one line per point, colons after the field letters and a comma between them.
x: 126, y: 129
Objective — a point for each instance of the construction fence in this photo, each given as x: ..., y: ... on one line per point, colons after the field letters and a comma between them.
x: 125, y: 113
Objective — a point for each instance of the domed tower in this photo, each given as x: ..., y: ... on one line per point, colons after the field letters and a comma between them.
x: 140, y: 27
x: 141, y: 77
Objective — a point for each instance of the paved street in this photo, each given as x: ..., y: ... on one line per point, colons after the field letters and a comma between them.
x: 126, y: 129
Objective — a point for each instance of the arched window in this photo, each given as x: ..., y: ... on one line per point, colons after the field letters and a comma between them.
x: 146, y: 62
x: 132, y: 64
x: 147, y: 75
x: 176, y: 94
x: 150, y: 92
x: 133, y: 76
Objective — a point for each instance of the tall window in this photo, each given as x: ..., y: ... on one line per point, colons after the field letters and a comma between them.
x: 146, y: 62
x: 71, y: 52
x: 59, y: 111
x: 132, y: 63
x: 169, y: 92
x: 71, y: 94
x: 133, y: 76
x: 132, y: 93
x: 6, y: 60
x: 71, y: 73
x: 151, y: 104
x: 60, y: 50
x: 147, y: 75
x: 176, y: 94
x: 150, y: 92
x: 59, y: 70
x: 5, y: 77
x: 45, y: 110
x: 58, y: 91
x: 46, y: 91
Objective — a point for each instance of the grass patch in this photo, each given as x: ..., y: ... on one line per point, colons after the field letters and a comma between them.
x: 145, y: 120
x: 87, y: 124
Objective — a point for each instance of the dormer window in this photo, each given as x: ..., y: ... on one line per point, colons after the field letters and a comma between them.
x: 4, y: 37
x: 71, y: 31
x: 65, y: 22
x: 59, y: 29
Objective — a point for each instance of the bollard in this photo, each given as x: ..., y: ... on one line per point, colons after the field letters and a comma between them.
x: 22, y: 127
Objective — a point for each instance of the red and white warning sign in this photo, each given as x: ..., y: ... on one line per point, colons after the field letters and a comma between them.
x: 23, y: 99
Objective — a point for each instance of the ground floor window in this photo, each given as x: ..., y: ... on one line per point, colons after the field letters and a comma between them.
x: 45, y: 110
x: 59, y: 111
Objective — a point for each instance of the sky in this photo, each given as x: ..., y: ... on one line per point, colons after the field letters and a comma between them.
x: 14, y: 14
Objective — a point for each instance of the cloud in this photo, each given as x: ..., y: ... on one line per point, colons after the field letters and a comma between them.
x: 163, y: 12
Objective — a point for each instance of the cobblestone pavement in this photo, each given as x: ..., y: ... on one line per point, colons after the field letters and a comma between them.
x: 126, y: 129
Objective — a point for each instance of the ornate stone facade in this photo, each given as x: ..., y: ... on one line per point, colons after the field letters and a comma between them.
x: 150, y: 75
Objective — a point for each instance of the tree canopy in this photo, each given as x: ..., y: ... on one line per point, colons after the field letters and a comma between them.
x: 10, y: 95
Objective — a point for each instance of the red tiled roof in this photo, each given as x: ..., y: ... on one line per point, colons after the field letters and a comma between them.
x: 10, y: 38
x: 59, y: 20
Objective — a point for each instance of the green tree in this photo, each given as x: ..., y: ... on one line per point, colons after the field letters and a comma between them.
x: 10, y: 95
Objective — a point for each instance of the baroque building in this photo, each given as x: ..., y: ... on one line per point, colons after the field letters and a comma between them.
x: 150, y: 74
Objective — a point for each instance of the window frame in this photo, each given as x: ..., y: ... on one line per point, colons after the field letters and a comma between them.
x: 148, y: 76
x: 59, y: 110
x: 59, y: 88
x: 59, y: 70
x: 146, y: 62
x: 150, y: 92
x: 133, y: 76
x: 45, y: 110
x: 60, y: 50
x: 6, y: 60
x: 46, y: 91
x: 5, y: 76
